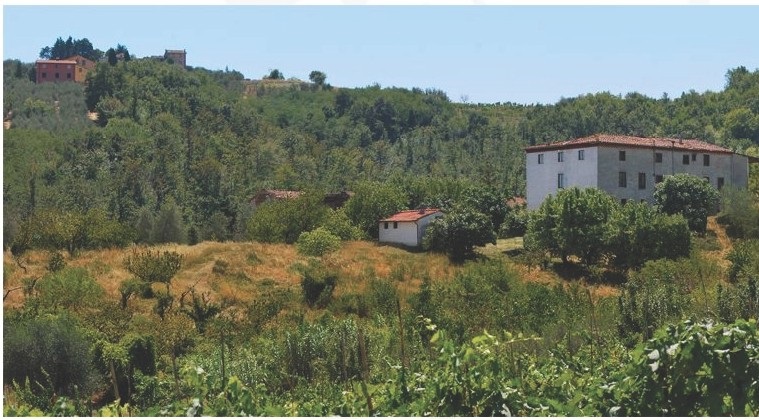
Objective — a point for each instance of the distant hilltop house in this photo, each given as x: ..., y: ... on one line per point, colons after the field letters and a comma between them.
x: 178, y: 57
x: 407, y: 227
x: 70, y: 69
x: 628, y: 167
x: 332, y: 200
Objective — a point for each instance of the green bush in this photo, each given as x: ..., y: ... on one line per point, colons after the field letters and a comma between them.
x: 317, y: 284
x: 744, y: 259
x: 70, y: 288
x: 56, y: 262
x: 317, y: 242
x: 338, y: 224
x: 51, y: 350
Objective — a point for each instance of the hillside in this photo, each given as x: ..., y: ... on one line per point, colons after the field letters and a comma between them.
x: 228, y: 317
x: 254, y: 268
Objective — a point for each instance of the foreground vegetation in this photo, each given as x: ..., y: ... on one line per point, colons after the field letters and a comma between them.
x: 371, y: 330
x: 139, y: 281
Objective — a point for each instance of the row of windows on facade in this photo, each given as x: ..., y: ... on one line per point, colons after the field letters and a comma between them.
x: 395, y: 225
x: 658, y: 157
x: 44, y: 66
x: 641, y: 181
x: 57, y: 75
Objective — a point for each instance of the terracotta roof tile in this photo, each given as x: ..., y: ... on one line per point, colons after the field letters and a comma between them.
x: 410, y: 215
x: 692, y: 145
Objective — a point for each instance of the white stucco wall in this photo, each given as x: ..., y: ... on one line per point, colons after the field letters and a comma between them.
x: 638, y: 160
x: 542, y: 179
x: 407, y: 233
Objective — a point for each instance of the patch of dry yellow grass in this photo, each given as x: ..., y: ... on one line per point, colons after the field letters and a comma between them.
x: 254, y: 268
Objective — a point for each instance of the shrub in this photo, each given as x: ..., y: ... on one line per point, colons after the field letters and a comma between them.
x: 70, y: 288
x: 317, y: 284
x: 739, y: 213
x: 744, y: 259
x: 56, y: 262
x: 48, y: 350
x: 220, y: 267
x: 317, y: 242
x: 338, y: 224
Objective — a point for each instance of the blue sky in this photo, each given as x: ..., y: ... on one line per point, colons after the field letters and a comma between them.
x: 483, y: 54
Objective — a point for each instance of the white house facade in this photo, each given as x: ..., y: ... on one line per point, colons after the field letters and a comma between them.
x: 627, y: 167
x: 407, y: 227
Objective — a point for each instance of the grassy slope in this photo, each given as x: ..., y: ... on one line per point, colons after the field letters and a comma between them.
x: 255, y: 267
x: 251, y: 268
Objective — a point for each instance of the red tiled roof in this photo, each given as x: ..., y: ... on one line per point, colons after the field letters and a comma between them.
x: 55, y: 62
x: 410, y: 215
x: 692, y: 145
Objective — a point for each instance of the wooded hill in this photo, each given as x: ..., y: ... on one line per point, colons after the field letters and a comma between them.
x: 191, y: 143
x: 640, y: 320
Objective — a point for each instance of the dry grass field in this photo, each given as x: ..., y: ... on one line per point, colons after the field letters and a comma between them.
x: 238, y: 272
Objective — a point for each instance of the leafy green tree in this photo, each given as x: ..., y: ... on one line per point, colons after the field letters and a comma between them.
x: 285, y: 220
x: 487, y: 201
x: 275, y: 75
x: 458, y: 232
x: 168, y: 227
x: 154, y: 267
x: 689, y: 195
x: 371, y: 202
x: 574, y: 222
x: 317, y: 77
x: 317, y: 242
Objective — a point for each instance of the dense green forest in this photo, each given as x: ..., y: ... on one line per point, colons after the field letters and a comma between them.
x: 190, y: 141
x: 142, y: 282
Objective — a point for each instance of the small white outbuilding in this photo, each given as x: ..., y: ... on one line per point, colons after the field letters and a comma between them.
x: 407, y: 227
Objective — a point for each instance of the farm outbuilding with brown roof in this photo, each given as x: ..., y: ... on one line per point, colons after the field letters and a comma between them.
x: 407, y: 227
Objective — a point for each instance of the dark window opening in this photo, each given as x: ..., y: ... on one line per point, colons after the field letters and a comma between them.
x: 395, y: 225
x: 658, y: 178
x: 540, y: 158
x: 659, y: 158
x: 622, y: 155
x: 720, y: 183
x: 686, y: 159
x: 641, y: 181
x: 623, y: 180
x: 706, y: 160
x: 386, y: 225
x: 561, y: 156
x: 581, y: 155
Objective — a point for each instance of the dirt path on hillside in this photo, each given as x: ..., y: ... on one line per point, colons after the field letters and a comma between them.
x: 722, y: 238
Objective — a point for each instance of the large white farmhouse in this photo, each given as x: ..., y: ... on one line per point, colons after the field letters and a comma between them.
x: 627, y: 167
x: 407, y: 227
